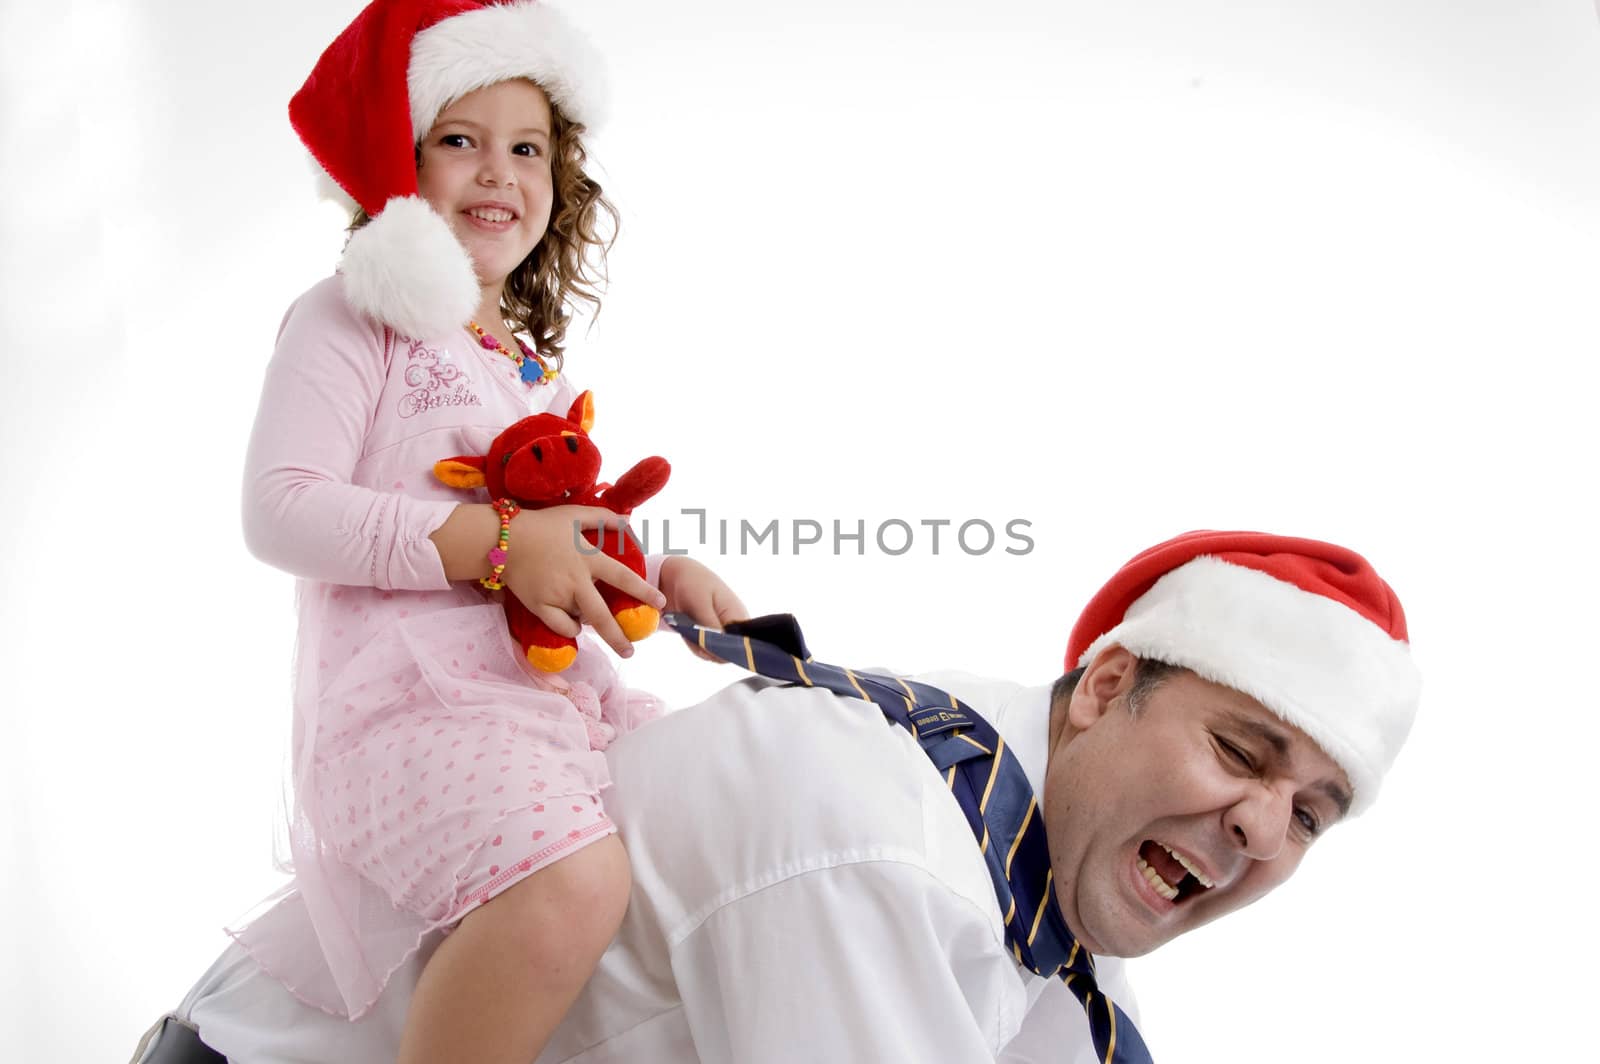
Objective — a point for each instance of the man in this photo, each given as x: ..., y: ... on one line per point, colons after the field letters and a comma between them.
x: 806, y: 888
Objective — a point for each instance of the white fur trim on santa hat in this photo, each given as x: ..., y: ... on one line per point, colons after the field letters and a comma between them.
x: 1313, y: 661
x: 477, y: 48
x: 406, y: 269
x: 328, y: 189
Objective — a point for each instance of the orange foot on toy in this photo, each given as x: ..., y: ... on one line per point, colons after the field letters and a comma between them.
x: 637, y: 622
x: 551, y: 659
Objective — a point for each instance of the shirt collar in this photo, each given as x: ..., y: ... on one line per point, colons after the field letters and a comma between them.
x: 1023, y: 721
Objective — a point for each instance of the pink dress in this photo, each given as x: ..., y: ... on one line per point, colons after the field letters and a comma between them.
x: 432, y: 767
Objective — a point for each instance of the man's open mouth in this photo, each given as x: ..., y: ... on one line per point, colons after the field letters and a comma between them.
x: 1170, y: 874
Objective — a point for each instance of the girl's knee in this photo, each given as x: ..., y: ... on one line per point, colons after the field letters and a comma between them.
x: 573, y: 906
x: 599, y: 880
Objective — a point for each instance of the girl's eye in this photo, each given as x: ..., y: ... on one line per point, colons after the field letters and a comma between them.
x: 453, y: 140
x: 532, y: 151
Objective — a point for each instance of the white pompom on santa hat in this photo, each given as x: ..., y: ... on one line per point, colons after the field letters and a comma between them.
x: 373, y: 95
x: 1306, y: 628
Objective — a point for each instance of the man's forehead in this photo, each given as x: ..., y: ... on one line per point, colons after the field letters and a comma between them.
x: 1291, y: 745
x: 1294, y: 747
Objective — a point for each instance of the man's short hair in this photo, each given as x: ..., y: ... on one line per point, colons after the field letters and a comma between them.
x: 1147, y: 676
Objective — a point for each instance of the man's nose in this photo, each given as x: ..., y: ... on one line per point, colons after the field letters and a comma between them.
x: 1259, y: 822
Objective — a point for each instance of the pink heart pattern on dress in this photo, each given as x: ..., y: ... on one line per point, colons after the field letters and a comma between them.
x: 488, y: 704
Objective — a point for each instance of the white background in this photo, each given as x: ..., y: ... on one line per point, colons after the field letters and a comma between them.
x: 1116, y: 269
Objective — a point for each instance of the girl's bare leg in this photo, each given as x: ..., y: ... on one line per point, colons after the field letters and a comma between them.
x: 496, y: 988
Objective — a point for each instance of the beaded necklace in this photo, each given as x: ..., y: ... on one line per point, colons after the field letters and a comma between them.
x: 533, y: 368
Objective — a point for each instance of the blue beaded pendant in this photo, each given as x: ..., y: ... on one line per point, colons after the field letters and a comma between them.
x: 532, y: 368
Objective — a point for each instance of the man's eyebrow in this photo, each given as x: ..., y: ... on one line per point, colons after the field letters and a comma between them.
x: 1280, y: 744
x: 1340, y: 796
x: 1266, y: 732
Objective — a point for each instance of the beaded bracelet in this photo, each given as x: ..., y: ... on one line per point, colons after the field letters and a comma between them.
x: 507, y: 509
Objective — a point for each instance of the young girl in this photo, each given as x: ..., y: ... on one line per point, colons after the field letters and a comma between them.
x: 439, y: 781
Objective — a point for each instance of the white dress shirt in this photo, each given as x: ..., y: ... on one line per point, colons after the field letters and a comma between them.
x: 805, y: 889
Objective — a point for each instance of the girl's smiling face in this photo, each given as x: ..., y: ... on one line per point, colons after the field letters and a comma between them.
x: 485, y: 168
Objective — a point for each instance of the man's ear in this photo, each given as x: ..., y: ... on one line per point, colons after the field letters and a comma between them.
x: 1109, y: 676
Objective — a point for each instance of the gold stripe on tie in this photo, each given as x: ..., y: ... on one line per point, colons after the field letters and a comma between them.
x: 801, y: 669
x: 911, y: 696
x: 700, y: 635
x: 749, y: 656
x: 1034, y: 930
x: 852, y: 678
x: 950, y: 778
x: 1072, y: 956
x: 1011, y: 910
x: 1111, y: 1043
x: 964, y: 737
x: 994, y: 771
x: 1017, y: 842
x: 983, y: 847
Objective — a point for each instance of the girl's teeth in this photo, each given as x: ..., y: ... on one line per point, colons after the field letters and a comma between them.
x: 492, y: 216
x: 1162, y: 887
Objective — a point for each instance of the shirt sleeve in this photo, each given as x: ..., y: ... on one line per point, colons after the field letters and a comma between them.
x: 301, y: 511
x: 874, y: 961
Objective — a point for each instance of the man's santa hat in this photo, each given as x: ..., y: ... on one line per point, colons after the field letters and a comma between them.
x: 377, y: 91
x: 1308, y: 629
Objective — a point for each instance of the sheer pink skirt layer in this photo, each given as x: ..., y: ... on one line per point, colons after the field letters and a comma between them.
x: 433, y: 769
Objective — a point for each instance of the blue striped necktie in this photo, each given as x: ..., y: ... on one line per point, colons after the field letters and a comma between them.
x: 988, y: 783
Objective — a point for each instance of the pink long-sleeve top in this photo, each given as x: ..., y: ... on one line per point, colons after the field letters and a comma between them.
x: 391, y: 657
x: 337, y: 480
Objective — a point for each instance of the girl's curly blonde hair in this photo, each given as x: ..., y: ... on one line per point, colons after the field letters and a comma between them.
x: 568, y: 265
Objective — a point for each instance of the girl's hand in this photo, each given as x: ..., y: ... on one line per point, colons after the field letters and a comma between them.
x: 695, y: 590
x: 554, y: 572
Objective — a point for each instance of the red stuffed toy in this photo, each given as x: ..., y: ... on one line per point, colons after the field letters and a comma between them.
x: 547, y: 460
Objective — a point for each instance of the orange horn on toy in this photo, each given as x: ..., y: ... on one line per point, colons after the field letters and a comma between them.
x: 582, y: 411
x: 463, y: 471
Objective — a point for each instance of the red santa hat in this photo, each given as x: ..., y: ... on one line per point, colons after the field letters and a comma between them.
x: 1306, y: 628
x: 376, y: 92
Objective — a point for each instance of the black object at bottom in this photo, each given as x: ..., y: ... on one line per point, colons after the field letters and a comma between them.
x: 178, y: 1043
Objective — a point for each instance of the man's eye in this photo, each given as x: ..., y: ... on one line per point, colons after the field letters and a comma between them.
x: 1235, y: 754
x: 1308, y: 821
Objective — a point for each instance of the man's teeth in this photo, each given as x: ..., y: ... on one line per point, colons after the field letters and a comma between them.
x: 489, y: 214
x: 1162, y: 887
x: 1191, y: 869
